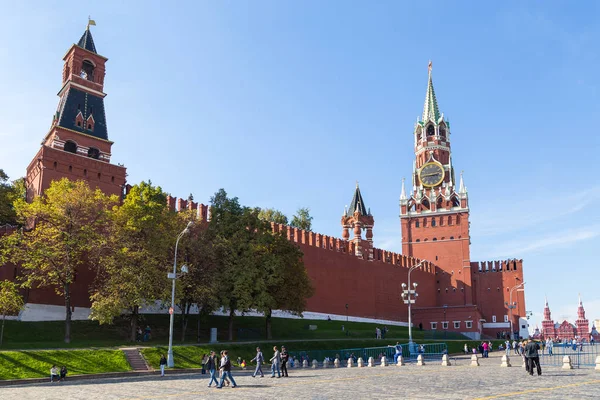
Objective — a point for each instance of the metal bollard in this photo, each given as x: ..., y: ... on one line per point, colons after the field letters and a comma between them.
x: 315, y: 363
x: 350, y: 362
x: 420, y: 360
x: 384, y: 362
x: 305, y: 364
x: 400, y: 361
x: 360, y: 363
x: 336, y: 363
x: 371, y: 362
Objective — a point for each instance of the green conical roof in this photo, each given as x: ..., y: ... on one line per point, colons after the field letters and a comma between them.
x: 431, y: 110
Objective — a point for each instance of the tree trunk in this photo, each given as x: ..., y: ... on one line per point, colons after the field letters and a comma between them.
x: 134, y: 322
x: 2, y: 331
x: 198, y: 328
x: 231, y: 315
x: 185, y: 319
x: 67, y: 287
x: 268, y: 324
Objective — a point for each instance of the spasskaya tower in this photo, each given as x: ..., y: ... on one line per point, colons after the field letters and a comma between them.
x: 434, y: 214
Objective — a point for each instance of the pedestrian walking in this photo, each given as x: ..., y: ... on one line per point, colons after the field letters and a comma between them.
x: 226, y: 370
x: 204, y: 360
x: 486, y: 349
x: 163, y: 364
x: 259, y: 360
x: 398, y: 351
x: 275, y: 363
x: 466, y: 349
x: 284, y: 359
x: 211, y: 367
x: 533, y: 357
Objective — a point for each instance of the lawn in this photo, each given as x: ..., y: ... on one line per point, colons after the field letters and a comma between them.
x: 37, y: 364
x: 48, y: 335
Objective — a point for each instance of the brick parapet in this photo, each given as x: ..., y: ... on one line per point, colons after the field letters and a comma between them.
x: 510, y: 265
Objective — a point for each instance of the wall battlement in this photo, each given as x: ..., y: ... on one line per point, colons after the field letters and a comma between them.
x: 510, y: 265
x: 312, y: 239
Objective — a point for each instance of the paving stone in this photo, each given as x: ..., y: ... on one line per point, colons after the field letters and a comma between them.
x: 431, y: 381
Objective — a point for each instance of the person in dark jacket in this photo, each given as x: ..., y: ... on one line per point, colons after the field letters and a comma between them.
x: 163, y: 364
x: 63, y: 373
x: 284, y: 359
x: 533, y: 357
x: 226, y: 370
x: 211, y: 366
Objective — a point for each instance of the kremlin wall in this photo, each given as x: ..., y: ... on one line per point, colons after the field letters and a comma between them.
x: 454, y: 293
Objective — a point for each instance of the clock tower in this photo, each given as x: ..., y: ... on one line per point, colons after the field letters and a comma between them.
x: 434, y: 214
x: 76, y: 145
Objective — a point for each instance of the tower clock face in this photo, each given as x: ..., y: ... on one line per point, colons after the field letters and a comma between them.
x: 432, y: 174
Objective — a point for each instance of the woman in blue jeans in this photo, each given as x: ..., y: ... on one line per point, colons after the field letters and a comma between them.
x: 211, y: 366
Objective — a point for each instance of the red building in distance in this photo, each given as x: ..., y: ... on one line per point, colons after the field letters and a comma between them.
x: 565, y: 330
x: 350, y: 275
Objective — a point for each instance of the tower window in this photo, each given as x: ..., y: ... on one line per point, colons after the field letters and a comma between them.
x: 93, y: 153
x: 112, y: 179
x: 89, y: 126
x: 87, y: 70
x: 433, y: 222
x: 85, y: 172
x: 55, y: 164
x: 70, y: 146
x: 451, y: 237
x: 435, y: 239
x: 99, y: 175
x: 416, y: 224
x: 78, y: 123
x: 70, y: 168
x: 418, y: 240
x: 442, y: 132
x: 430, y: 130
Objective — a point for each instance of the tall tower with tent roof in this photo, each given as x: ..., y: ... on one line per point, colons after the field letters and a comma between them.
x: 434, y: 211
x: 77, y: 146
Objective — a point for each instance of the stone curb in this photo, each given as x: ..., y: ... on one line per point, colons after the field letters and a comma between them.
x: 85, y: 377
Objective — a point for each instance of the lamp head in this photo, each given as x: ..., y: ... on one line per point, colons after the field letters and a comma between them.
x: 188, y: 226
x: 184, y: 269
x: 415, y: 284
x: 404, y: 285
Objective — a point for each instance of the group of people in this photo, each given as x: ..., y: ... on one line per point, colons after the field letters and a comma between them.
x: 143, y: 336
x: 58, y: 375
x: 380, y: 333
x: 278, y: 362
x: 484, y: 348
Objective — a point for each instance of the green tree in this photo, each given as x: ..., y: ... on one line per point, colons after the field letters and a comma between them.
x: 11, y: 302
x: 302, y: 219
x: 134, y: 270
x: 272, y: 215
x: 9, y: 194
x: 69, y: 235
x: 282, y: 281
x: 232, y: 232
x: 199, y: 286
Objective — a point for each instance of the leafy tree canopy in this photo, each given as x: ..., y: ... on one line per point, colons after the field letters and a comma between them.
x: 272, y: 215
x: 302, y: 219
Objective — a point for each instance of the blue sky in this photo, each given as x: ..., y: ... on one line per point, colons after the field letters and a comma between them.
x: 286, y: 104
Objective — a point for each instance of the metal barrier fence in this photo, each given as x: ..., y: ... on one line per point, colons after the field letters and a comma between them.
x: 580, y: 355
x: 432, y: 351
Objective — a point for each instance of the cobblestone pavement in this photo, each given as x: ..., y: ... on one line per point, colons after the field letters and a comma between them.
x: 431, y: 381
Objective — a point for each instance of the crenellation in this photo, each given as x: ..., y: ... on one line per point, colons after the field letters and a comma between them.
x: 181, y: 204
x: 171, y: 202
x: 510, y: 265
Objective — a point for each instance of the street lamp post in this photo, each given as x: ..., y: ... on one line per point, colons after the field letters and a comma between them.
x: 512, y: 306
x: 173, y: 276
x: 409, y: 296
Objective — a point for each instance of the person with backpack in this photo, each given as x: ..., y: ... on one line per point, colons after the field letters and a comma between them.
x: 259, y: 360
x: 63, y: 373
x: 211, y: 366
x: 226, y: 370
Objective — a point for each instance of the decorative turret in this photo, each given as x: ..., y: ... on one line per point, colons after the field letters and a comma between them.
x: 356, y: 218
x: 548, y: 330
x: 431, y: 111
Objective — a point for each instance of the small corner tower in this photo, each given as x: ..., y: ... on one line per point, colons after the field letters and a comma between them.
x: 358, y: 218
x: 77, y: 145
